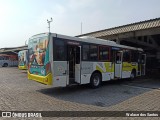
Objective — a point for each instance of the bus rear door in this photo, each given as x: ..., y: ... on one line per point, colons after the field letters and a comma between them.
x: 118, y: 64
x: 74, y: 66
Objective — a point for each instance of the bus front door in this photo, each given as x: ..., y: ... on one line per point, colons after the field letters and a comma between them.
x: 118, y: 64
x: 74, y: 60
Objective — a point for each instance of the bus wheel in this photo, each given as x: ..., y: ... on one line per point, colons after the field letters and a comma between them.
x: 133, y: 75
x: 95, y: 80
x: 5, y: 65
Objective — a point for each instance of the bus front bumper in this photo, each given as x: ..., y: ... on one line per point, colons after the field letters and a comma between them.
x: 42, y: 79
x: 22, y: 67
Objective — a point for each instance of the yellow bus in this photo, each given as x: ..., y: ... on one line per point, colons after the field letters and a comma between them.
x: 60, y: 60
x: 23, y: 59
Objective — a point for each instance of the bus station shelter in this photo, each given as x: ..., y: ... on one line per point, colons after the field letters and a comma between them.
x: 143, y: 34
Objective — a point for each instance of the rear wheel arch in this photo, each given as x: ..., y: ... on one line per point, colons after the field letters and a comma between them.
x: 96, y: 79
x: 133, y: 74
x: 5, y: 65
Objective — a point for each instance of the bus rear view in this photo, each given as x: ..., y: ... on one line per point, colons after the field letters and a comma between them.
x: 39, y: 64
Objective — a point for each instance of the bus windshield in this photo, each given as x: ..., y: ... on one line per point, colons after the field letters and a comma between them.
x: 37, y: 48
x: 22, y: 57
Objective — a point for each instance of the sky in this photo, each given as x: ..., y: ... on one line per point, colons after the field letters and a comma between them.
x: 21, y: 19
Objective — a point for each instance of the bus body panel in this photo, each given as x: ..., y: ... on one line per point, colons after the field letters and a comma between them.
x: 60, y: 73
x: 106, y: 69
x: 127, y: 69
x: 8, y: 60
x: 86, y: 70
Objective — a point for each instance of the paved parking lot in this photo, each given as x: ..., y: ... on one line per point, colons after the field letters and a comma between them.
x: 109, y: 94
x: 18, y: 93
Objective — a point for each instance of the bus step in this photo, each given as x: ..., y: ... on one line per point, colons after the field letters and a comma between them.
x: 72, y: 84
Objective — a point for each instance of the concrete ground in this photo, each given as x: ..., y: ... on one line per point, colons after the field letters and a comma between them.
x: 19, y: 94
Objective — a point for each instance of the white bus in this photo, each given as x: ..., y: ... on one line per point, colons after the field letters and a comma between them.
x: 60, y: 60
x: 8, y: 60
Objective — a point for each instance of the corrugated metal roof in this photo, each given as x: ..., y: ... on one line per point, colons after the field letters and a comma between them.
x: 13, y: 49
x: 152, y: 23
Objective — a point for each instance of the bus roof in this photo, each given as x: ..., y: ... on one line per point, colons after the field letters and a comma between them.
x: 97, y: 41
x: 88, y: 39
x: 39, y: 35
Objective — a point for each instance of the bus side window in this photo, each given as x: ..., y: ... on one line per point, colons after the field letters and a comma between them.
x: 93, y: 52
x: 59, y: 50
x: 104, y: 53
x: 85, y: 52
x: 126, y: 56
x: 134, y: 56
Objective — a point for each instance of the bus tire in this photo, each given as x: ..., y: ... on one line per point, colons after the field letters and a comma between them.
x: 133, y: 75
x: 5, y: 65
x: 95, y: 80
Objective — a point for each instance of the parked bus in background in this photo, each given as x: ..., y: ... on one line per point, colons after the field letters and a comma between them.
x: 60, y: 60
x: 8, y: 60
x: 23, y: 59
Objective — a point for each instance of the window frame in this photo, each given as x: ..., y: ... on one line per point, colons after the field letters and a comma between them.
x: 129, y: 55
x: 109, y: 53
x: 86, y: 43
x: 90, y: 52
x: 137, y: 54
x: 82, y: 50
x: 55, y: 51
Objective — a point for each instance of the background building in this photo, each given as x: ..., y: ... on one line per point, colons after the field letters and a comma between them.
x: 144, y: 34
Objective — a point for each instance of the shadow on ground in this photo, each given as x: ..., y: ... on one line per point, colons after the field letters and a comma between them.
x: 110, y: 93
